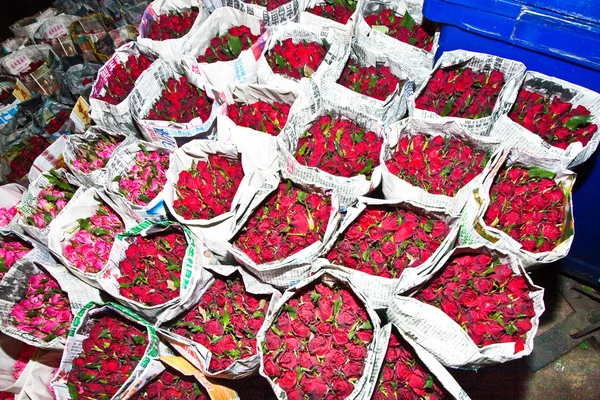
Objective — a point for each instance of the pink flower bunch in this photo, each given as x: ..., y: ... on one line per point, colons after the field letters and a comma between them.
x: 7, y: 215
x: 23, y: 359
x: 146, y: 178
x: 89, y: 248
x: 12, y: 249
x: 95, y: 155
x: 51, y: 200
x: 45, y: 312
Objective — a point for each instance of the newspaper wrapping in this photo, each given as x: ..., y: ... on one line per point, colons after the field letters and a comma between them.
x: 397, y: 188
x: 10, y: 196
x: 39, y: 374
x: 49, y: 111
x: 515, y: 135
x: 55, y: 32
x: 473, y: 229
x: 444, y: 338
x: 75, y: 76
x: 298, y: 33
x: 308, y: 18
x: 287, y: 272
x: 196, y: 256
x: 513, y: 71
x: 361, y: 50
x: 41, y: 80
x: 421, y: 61
x: 119, y: 165
x: 28, y: 205
x: 115, y: 117
x: 66, y: 225
x: 170, y: 49
x: 281, y: 15
x: 307, y: 109
x: 363, y: 386
x: 148, y: 90
x: 14, y: 287
x: 379, y: 290
x: 9, y: 110
x: 194, y: 352
x: 258, y: 147
x: 70, y: 154
x: 437, y: 370
x: 13, y: 44
x: 27, y: 26
x: 51, y: 158
x: 148, y: 366
x: 38, y: 252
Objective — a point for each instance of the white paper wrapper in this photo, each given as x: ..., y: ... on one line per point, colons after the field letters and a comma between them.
x: 148, y: 90
x: 379, y: 290
x: 49, y: 159
x: 445, y: 339
x: 362, y: 387
x: 397, y: 188
x: 196, y: 256
x: 28, y: 26
x: 308, y: 18
x: 513, y: 71
x: 14, y: 288
x: 420, y: 60
x: 199, y: 355
x: 79, y: 332
x: 278, y: 16
x: 515, y: 135
x: 474, y: 230
x: 39, y: 373
x: 10, y: 196
x: 289, y: 271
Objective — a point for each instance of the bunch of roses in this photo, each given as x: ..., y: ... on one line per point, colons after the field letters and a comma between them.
x: 438, y: 164
x: 528, y: 205
x: 45, y: 311
x: 172, y: 25
x: 151, y: 269
x: 261, y: 116
x: 146, y: 178
x: 89, y: 248
x: 461, y: 92
x: 404, y: 29
x: 32, y: 148
x: 51, y: 200
x: 404, y: 376
x: 207, y: 189
x: 57, y: 121
x: 340, y: 147
x: 228, y: 47
x: 558, y: 122
x: 383, y: 241
x: 226, y: 321
x: 94, y: 155
x: 268, y: 4
x: 12, y: 249
x: 172, y: 385
x: 25, y: 355
x: 32, y: 67
x: 373, y: 81
x: 7, y: 215
x: 287, y: 221
x: 336, y: 10
x: 181, y: 102
x: 296, y: 60
x: 486, y: 298
x: 317, y: 345
x: 109, y: 355
x: 122, y: 78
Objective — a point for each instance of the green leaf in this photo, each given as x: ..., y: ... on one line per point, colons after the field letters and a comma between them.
x: 337, y: 306
x: 94, y: 365
x: 448, y: 107
x: 175, y: 280
x: 226, y: 316
x: 302, y: 149
x: 577, y: 121
x: 73, y: 391
x: 381, y: 28
x: 357, y: 86
x: 101, y: 232
x: 429, y: 383
x: 537, y: 172
x: 511, y: 329
x: 315, y: 296
x: 372, y: 81
x: 276, y: 330
x: 302, y: 197
x: 104, y: 334
x: 235, y: 45
x: 366, y: 325
x: 368, y: 168
x: 280, y: 61
x: 144, y: 198
x: 428, y: 226
x: 84, y: 223
x: 353, y: 68
x: 291, y: 311
x: 412, y: 41
x: 138, y: 339
x: 408, y: 21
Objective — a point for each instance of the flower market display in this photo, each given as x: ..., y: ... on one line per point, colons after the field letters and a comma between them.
x: 274, y: 199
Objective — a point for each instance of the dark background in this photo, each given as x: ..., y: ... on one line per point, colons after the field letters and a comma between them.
x: 14, y: 10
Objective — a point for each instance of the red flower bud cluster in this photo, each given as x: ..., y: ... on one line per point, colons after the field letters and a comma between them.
x: 228, y: 47
x: 404, y: 376
x: 181, y: 102
x: 86, y: 81
x: 172, y: 385
x: 151, y: 269
x: 123, y: 77
x: 172, y: 25
x: 28, y: 150
x: 260, y: 116
x: 317, y: 345
x: 109, y: 355
x: 12, y: 249
x: 338, y: 146
x: 489, y: 301
x: 57, y: 121
x: 383, y: 241
x: 527, y: 204
x: 557, y: 122
x: 225, y: 321
x: 438, y: 164
x: 268, y: 4
x: 461, y: 92
x: 296, y: 60
x: 373, y: 81
x: 288, y: 221
x: 335, y: 10
x: 207, y: 189
x: 404, y: 29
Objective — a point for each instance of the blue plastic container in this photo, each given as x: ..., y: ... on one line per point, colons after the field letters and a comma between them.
x: 555, y: 38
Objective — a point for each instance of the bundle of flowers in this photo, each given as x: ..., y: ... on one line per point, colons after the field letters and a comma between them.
x: 403, y: 28
x: 338, y: 11
x: 228, y: 46
x: 122, y: 78
x: 180, y: 102
x: 373, y: 81
x: 53, y: 118
x: 10, y: 196
x: 12, y: 249
x: 172, y: 25
x: 269, y: 118
x: 20, y: 156
x: 172, y: 385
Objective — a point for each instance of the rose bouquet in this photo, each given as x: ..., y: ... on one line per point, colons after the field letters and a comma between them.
x: 12, y: 249
x: 122, y: 78
x: 172, y: 385
x: 53, y: 118
x: 229, y: 45
x: 173, y: 25
x: 10, y: 196
x: 403, y: 28
x: 20, y: 156
x: 180, y: 102
x: 296, y: 60
x: 373, y: 81
x: 269, y: 118
x: 338, y: 11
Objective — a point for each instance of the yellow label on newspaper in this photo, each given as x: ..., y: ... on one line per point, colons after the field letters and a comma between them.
x: 81, y: 115
x: 21, y: 92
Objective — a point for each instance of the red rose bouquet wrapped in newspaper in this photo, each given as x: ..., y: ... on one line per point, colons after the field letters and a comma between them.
x: 19, y: 156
